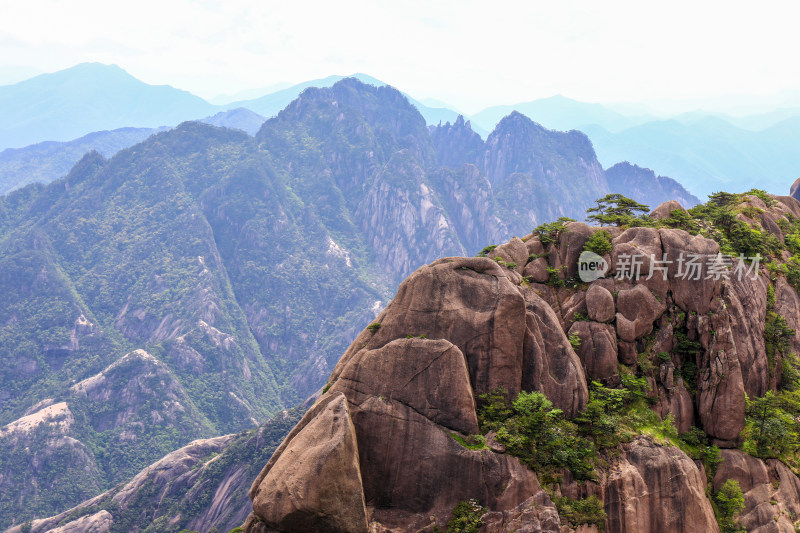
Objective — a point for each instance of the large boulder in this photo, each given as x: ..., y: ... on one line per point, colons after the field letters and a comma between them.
x: 771, y: 491
x: 571, y: 240
x: 597, y: 350
x: 665, y: 209
x: 690, y: 290
x: 430, y: 376
x: 313, y: 481
x: 600, y: 303
x: 656, y: 488
x: 550, y: 363
x: 467, y: 301
x: 514, y: 251
x: 536, y: 270
x: 637, y: 309
x: 413, y: 469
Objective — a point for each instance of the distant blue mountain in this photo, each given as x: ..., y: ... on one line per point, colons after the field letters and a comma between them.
x: 708, y: 154
x: 270, y: 104
x: 704, y: 151
x: 89, y: 97
x: 559, y: 113
x: 239, y: 118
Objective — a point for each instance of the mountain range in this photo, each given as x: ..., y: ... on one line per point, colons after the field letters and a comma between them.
x: 202, y: 280
x: 705, y: 150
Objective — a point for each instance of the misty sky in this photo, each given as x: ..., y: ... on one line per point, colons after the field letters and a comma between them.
x: 469, y: 54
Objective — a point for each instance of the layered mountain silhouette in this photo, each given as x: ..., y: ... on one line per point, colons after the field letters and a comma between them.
x: 705, y: 150
x: 215, y: 278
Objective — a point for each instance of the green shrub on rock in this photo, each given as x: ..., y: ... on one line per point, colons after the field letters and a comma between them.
x: 466, y: 517
x: 599, y: 243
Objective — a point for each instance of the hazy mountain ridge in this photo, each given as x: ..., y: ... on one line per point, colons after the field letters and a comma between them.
x: 729, y: 154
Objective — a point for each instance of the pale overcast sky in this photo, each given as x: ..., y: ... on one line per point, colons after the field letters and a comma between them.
x: 470, y: 54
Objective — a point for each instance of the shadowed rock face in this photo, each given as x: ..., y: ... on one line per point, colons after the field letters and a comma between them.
x: 461, y: 327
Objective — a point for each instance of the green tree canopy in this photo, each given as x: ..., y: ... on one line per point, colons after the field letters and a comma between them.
x: 616, y: 209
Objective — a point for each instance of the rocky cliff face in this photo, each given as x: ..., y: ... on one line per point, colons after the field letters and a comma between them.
x: 397, y: 439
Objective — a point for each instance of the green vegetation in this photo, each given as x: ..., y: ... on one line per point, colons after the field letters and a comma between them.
x: 718, y: 220
x: 599, y: 243
x: 536, y: 432
x: 575, y: 340
x: 487, y: 250
x: 578, y: 512
x: 466, y: 517
x: 375, y: 326
x: 771, y: 430
x: 508, y: 264
x: 680, y: 219
x: 549, y: 232
x: 471, y: 442
x: 616, y: 210
x: 729, y: 503
x: 695, y: 444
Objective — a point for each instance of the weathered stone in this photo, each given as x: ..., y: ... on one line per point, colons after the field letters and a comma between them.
x: 571, y: 241
x: 771, y: 491
x: 636, y: 256
x: 313, y: 481
x: 656, y: 488
x: 597, y: 350
x: 550, y: 363
x: 99, y: 522
x: 676, y: 401
x: 534, y: 515
x: 600, y: 304
x: 720, y: 388
x: 637, y: 309
x: 467, y: 301
x: 409, y: 463
x: 627, y: 352
x: 514, y: 251
x: 664, y: 210
x: 746, y: 304
x: 690, y: 289
x: 430, y: 376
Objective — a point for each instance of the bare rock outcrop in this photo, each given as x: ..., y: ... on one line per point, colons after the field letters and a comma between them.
x: 550, y: 363
x: 597, y: 350
x: 664, y: 210
x: 637, y: 309
x: 600, y: 303
x: 771, y: 492
x: 430, y: 376
x: 471, y: 303
x: 657, y: 488
x: 313, y: 481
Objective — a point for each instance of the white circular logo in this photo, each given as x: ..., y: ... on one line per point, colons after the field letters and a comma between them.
x: 591, y: 267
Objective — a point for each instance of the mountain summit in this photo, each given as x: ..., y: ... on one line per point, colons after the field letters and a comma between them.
x: 89, y: 97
